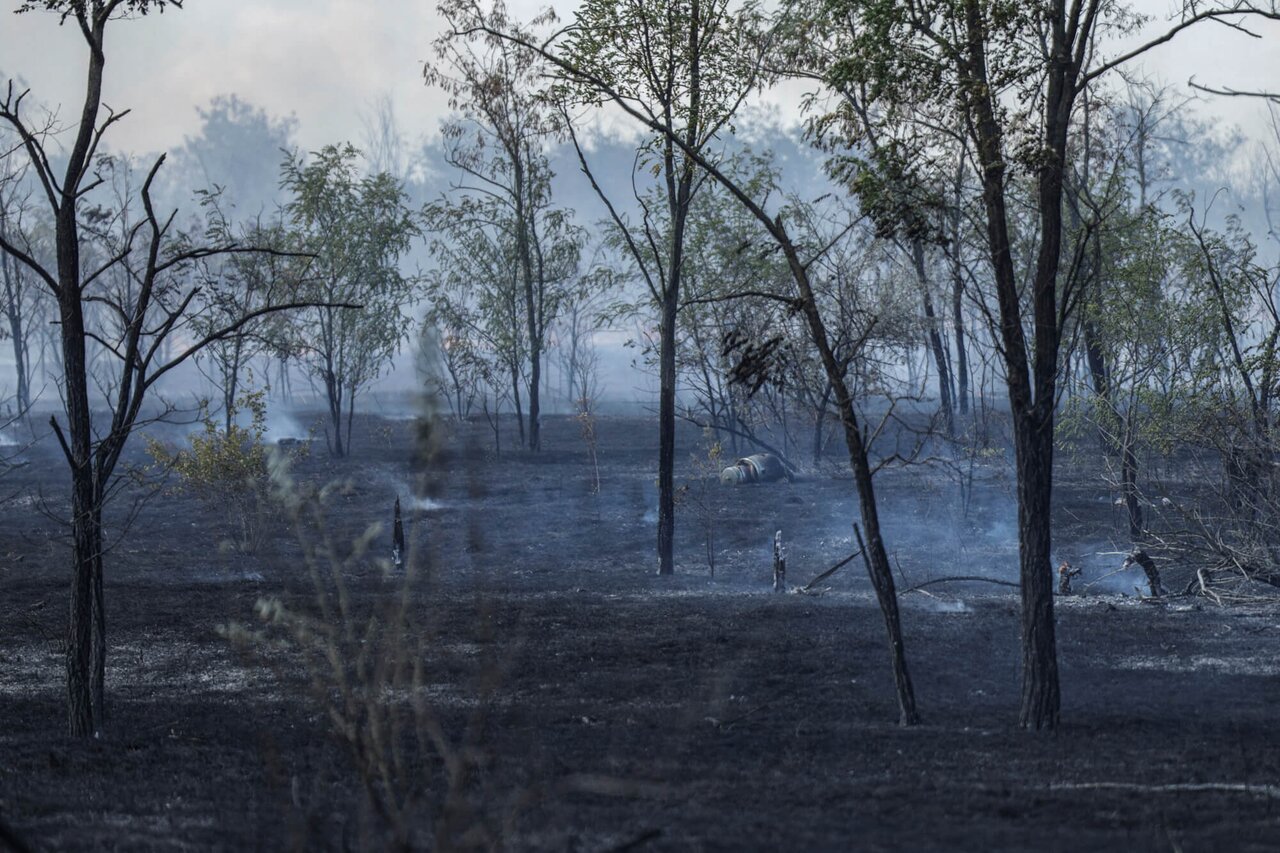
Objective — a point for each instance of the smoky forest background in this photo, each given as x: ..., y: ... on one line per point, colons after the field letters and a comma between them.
x: 680, y: 424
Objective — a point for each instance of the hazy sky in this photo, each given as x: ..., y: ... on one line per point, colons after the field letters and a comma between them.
x: 325, y: 61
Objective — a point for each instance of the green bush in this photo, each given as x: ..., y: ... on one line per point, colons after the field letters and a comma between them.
x: 227, y: 469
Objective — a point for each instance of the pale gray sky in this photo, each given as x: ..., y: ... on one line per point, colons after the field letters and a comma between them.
x: 325, y: 61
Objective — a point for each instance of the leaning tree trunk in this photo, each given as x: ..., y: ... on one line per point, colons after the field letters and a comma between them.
x: 877, y: 562
x: 877, y: 559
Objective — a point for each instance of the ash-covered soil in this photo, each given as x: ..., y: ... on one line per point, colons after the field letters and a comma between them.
x: 600, y: 707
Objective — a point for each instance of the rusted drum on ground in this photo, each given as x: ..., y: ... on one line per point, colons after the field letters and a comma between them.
x: 758, y: 468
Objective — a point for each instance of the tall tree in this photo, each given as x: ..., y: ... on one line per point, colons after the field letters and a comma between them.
x: 685, y: 66
x: 237, y: 149
x: 357, y: 227
x: 142, y: 334
x: 20, y: 296
x: 477, y: 288
x: 803, y: 299
x: 237, y: 285
x: 497, y: 139
x: 1013, y: 75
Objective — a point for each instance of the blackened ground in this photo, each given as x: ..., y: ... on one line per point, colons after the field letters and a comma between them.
x: 623, y: 708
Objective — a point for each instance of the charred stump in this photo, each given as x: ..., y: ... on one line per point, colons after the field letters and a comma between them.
x: 397, y: 539
x: 779, y: 563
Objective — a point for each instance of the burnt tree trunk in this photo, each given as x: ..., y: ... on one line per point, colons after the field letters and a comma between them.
x: 819, y: 424
x: 397, y: 538
x: 333, y: 390
x: 936, y: 347
x: 680, y: 197
x: 1139, y: 556
x: 1129, y: 485
x: 779, y: 563
x: 957, y: 295
x: 524, y: 246
x: 667, y: 433
x: 876, y: 557
x: 14, y: 287
x: 1031, y: 370
x: 1040, y: 690
x: 86, y: 519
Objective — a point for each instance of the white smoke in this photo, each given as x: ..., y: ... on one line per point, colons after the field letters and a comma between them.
x: 282, y: 426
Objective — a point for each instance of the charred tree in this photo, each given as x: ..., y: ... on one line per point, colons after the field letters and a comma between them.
x: 779, y: 563
x: 144, y: 352
x: 397, y: 538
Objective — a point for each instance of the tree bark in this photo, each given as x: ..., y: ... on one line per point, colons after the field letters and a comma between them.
x: 334, y: 392
x: 819, y: 423
x: 667, y: 432
x: 936, y: 347
x: 1040, y: 690
x: 14, y: 287
x: 524, y: 246
x: 1129, y: 486
x: 957, y: 296
x: 99, y: 640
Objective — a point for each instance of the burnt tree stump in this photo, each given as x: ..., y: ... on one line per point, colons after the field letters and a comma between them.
x: 397, y: 538
x: 779, y: 563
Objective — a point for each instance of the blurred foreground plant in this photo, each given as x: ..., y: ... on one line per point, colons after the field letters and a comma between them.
x: 365, y: 650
